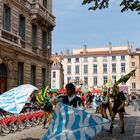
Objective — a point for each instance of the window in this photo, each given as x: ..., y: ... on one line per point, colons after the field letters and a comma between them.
x: 76, y: 69
x: 85, y: 59
x: 44, y: 40
x: 104, y: 68
x: 68, y: 69
x: 95, y: 81
x: 33, y: 75
x: 95, y: 69
x: 77, y: 59
x: 43, y: 77
x: 104, y: 80
x: 113, y: 58
x: 34, y: 35
x: 133, y: 85
x: 94, y: 59
x: 85, y: 69
x: 68, y: 79
x: 133, y: 64
x: 113, y: 68
x: 77, y: 80
x: 114, y: 79
x: 85, y: 80
x: 134, y: 75
x: 122, y: 67
x: 7, y: 18
x: 45, y: 3
x: 20, y: 73
x: 122, y: 57
x: 104, y: 58
x: 54, y: 74
x: 69, y: 60
x: 22, y: 27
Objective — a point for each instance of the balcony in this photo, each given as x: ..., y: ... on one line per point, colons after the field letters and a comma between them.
x: 46, y: 53
x: 11, y: 38
x: 42, y: 15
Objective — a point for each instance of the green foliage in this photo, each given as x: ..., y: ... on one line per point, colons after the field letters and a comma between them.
x: 133, y: 5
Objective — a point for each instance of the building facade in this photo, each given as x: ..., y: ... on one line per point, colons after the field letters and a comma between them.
x: 93, y: 66
x: 57, y: 75
x: 135, y: 79
x: 25, y: 42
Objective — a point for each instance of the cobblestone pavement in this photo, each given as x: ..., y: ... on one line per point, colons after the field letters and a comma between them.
x: 132, y: 130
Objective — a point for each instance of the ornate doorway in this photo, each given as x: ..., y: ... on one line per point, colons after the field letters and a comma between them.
x: 3, y: 78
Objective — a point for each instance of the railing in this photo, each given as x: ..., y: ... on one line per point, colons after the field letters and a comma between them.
x: 9, y: 36
x: 13, y: 38
x: 36, y: 8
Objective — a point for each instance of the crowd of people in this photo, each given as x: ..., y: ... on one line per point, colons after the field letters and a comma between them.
x: 101, y: 103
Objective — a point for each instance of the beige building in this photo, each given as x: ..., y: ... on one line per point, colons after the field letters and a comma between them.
x: 92, y: 67
x: 25, y: 42
x: 135, y: 79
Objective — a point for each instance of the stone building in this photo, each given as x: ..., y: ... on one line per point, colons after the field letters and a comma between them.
x: 25, y: 42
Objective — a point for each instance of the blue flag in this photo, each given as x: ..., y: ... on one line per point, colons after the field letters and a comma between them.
x: 69, y: 123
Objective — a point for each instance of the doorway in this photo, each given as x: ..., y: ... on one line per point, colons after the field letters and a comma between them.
x: 3, y: 78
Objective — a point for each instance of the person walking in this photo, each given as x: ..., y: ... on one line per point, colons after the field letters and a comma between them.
x: 118, y: 107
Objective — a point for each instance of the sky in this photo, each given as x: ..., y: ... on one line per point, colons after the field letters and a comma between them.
x: 77, y: 26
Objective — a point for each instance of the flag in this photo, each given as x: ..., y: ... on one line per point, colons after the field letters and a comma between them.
x: 109, y: 83
x: 70, y: 123
x: 125, y: 78
x: 14, y: 100
x: 41, y: 96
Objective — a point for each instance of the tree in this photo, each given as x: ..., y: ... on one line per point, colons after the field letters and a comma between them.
x: 133, y: 5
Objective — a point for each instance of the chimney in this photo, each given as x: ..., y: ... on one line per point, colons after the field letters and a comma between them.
x: 67, y: 52
x: 129, y: 46
x: 85, y: 49
x: 110, y: 47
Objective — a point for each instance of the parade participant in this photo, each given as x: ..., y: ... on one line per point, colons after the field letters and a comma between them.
x: 118, y: 107
x: 70, y: 98
x: 83, y: 97
x: 48, y: 109
x: 97, y: 103
x: 105, y: 104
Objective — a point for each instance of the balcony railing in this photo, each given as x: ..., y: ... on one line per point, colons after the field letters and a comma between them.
x: 9, y: 36
x: 41, y: 13
x: 12, y: 38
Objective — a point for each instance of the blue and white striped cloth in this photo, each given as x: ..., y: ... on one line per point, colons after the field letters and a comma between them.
x: 69, y: 123
x: 13, y: 100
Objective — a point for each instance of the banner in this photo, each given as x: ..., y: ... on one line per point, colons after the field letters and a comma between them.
x: 69, y: 123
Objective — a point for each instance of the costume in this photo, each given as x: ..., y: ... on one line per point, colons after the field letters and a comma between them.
x: 73, y: 100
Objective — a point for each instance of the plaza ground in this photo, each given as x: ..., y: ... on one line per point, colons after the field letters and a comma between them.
x: 132, y: 129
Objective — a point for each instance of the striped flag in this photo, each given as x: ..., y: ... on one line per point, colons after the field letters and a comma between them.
x: 14, y: 99
x: 69, y: 123
x: 41, y: 96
